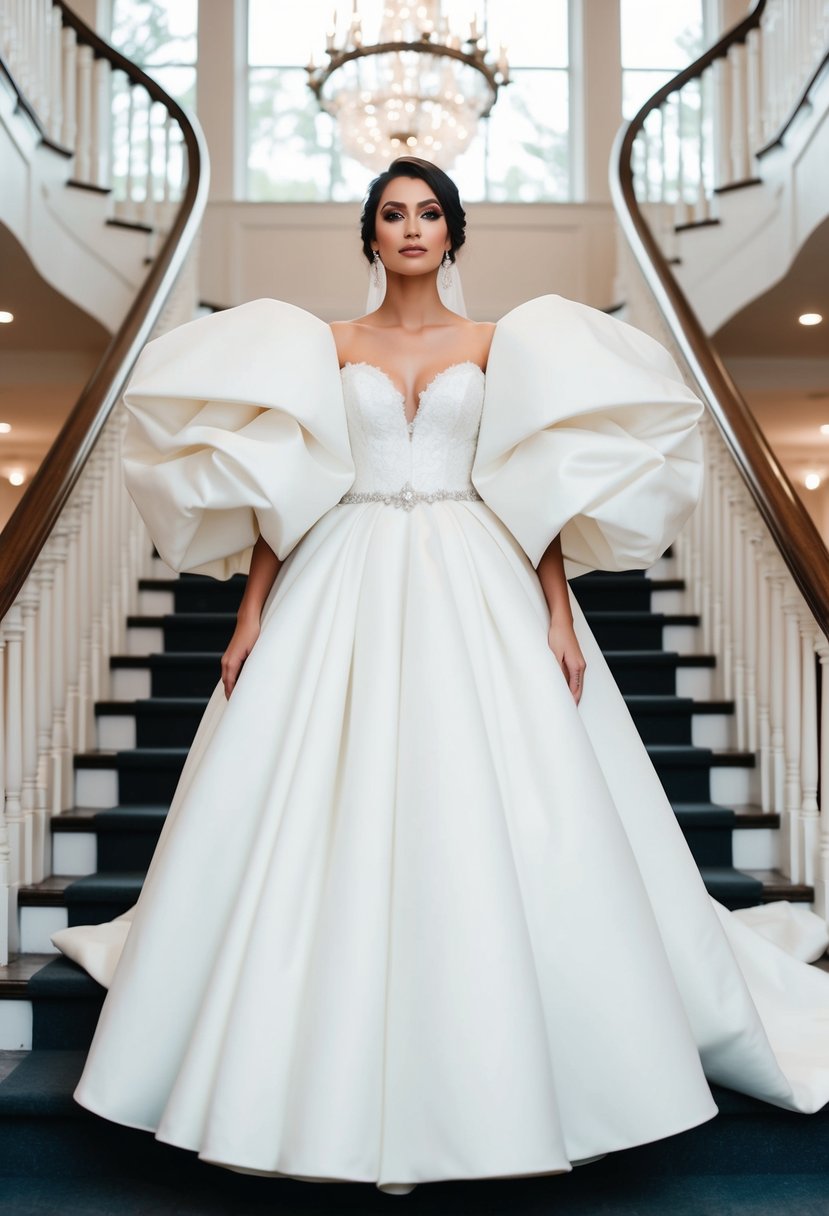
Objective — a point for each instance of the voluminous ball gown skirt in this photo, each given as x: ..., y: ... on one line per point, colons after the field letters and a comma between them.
x: 414, y: 914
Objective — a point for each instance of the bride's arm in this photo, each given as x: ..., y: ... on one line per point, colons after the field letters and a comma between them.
x: 264, y: 567
x: 561, y: 636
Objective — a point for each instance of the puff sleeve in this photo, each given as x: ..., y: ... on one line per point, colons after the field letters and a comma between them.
x: 587, y: 430
x: 236, y: 426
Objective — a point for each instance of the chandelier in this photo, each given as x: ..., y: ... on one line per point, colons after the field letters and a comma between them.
x: 414, y: 91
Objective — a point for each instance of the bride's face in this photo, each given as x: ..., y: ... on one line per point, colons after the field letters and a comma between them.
x: 409, y: 214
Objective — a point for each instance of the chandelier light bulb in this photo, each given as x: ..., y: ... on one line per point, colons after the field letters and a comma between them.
x: 810, y: 318
x: 811, y: 481
x: 17, y: 477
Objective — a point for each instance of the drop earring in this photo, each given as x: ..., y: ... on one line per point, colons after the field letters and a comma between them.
x: 375, y: 268
x: 446, y: 269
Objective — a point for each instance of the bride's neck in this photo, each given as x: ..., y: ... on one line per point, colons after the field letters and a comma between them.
x: 412, y: 301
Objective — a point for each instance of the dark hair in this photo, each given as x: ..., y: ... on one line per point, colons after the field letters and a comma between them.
x: 441, y: 185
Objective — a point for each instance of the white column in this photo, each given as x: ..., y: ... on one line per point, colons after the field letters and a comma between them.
x: 596, y: 97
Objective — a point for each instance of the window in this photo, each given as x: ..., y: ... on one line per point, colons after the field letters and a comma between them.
x: 657, y: 42
x: 521, y: 153
x: 160, y: 36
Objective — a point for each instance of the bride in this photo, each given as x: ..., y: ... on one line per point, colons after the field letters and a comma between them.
x: 421, y: 908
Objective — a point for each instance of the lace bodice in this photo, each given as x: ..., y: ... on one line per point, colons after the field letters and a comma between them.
x: 434, y: 452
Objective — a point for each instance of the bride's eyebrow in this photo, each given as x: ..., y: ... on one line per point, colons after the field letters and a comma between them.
x: 423, y: 204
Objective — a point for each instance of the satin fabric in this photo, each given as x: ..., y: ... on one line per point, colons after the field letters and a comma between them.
x: 414, y: 914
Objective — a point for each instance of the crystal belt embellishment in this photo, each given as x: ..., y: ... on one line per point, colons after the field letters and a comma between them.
x: 407, y: 497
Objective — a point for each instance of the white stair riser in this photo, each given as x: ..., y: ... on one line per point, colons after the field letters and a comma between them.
x: 713, y: 730
x: 668, y: 601
x: 15, y: 1025
x: 734, y: 786
x: 665, y: 567
x: 681, y: 639
x: 697, y: 682
x: 74, y: 853
x: 756, y: 848
x: 115, y: 732
x: 155, y: 603
x: 36, y: 927
x: 144, y: 640
x: 96, y: 787
x: 130, y: 683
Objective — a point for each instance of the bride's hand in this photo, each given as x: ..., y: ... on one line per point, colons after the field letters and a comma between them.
x: 564, y: 645
x: 239, y: 647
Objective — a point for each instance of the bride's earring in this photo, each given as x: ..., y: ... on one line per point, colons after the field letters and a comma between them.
x: 375, y: 268
x: 446, y: 265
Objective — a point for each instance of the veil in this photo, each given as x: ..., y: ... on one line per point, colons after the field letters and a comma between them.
x: 451, y: 296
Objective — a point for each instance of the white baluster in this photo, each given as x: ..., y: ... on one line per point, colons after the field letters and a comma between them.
x: 809, y: 834
x: 62, y: 770
x: 83, y: 147
x: 739, y: 123
x: 45, y: 570
x: 21, y: 862
x: 56, y: 74
x: 70, y: 82
x: 791, y: 740
x: 33, y: 823
x: 721, y: 73
x: 778, y: 692
x: 101, y: 122
x: 753, y: 96
x: 764, y: 664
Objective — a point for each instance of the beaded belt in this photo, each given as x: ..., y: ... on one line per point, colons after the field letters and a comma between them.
x: 407, y: 498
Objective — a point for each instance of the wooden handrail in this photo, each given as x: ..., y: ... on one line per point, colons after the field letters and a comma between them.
x: 32, y: 521
x: 798, y: 540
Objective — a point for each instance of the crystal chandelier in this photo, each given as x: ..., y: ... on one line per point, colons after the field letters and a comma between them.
x: 414, y: 91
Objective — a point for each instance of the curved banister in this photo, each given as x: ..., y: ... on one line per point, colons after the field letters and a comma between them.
x: 36, y: 514
x: 795, y: 535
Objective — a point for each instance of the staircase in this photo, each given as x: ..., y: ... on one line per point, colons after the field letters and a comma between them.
x: 103, y: 845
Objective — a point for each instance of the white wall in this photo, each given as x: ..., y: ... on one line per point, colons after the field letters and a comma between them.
x: 310, y: 254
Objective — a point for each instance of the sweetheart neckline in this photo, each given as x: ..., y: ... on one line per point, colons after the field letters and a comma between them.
x: 437, y: 376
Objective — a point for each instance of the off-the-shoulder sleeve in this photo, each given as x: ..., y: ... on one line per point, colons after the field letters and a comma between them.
x: 236, y: 427
x: 587, y: 430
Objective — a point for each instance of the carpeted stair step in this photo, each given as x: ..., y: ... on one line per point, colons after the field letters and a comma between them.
x: 188, y: 631
x: 159, y: 721
x: 127, y: 835
x: 652, y: 671
x: 615, y: 630
x: 198, y: 593
x: 708, y: 830
x: 66, y: 1004
x: 685, y: 771
x: 175, y: 675
x: 145, y: 774
x: 44, y: 1132
x: 733, y: 888
x: 665, y: 718
x: 102, y: 896
x: 629, y: 592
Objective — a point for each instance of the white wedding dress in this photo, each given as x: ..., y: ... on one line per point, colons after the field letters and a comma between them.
x: 415, y: 914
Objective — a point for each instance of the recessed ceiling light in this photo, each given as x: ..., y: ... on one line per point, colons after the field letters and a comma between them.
x: 810, y: 318
x: 17, y: 477
x: 5, y: 427
x: 811, y: 481
x: 5, y: 317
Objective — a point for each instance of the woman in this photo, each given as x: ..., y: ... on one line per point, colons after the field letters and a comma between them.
x: 421, y: 909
